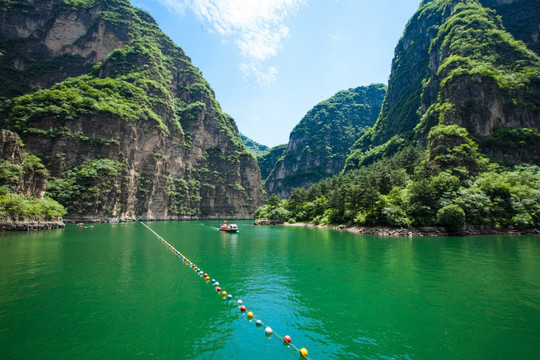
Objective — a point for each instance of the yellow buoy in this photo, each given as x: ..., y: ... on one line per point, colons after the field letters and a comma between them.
x: 250, y: 314
x: 207, y: 278
x: 224, y: 293
x: 303, y: 352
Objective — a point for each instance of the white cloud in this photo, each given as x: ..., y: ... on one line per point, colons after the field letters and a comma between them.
x: 256, y: 26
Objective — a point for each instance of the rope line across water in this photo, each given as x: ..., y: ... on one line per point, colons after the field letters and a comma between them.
x: 303, y: 351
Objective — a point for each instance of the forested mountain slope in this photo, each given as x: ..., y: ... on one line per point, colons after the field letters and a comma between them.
x: 455, y: 64
x: 320, y: 143
x: 127, y: 127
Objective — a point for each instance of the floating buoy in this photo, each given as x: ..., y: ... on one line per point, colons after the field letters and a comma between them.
x: 206, y: 278
x: 268, y: 330
x: 242, y: 308
x: 216, y: 283
x: 205, y: 274
x: 213, y: 281
x: 229, y: 296
x: 218, y: 289
x: 239, y: 302
x: 258, y: 322
x: 303, y: 352
x: 250, y: 314
x: 287, y: 339
x: 223, y: 293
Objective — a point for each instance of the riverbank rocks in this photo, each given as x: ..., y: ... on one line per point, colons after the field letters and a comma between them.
x: 421, y: 231
x: 268, y: 222
x: 28, y: 226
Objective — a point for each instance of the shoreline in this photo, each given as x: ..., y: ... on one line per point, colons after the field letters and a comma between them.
x: 412, y: 232
x: 31, y: 225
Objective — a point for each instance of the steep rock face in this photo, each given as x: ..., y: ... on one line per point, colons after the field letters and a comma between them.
x: 140, y: 135
x: 268, y: 160
x: 410, y: 67
x: 44, y: 42
x: 28, y: 179
x: 520, y: 18
x: 457, y: 64
x: 481, y: 78
x: 320, y: 143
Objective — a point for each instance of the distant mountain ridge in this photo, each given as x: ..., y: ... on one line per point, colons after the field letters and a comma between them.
x: 252, y: 146
x: 320, y: 143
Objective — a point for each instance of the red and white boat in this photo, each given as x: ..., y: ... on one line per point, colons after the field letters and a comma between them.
x: 228, y: 227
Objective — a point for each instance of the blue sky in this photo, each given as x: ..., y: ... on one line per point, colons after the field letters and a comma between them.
x: 270, y: 61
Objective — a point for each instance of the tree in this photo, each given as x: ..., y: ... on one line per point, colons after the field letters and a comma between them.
x: 452, y: 217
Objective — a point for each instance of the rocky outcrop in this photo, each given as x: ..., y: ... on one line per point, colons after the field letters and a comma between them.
x: 457, y: 63
x: 476, y: 86
x: 28, y: 178
x: 31, y: 226
x: 320, y: 143
x: 268, y: 160
x: 136, y: 132
x: 520, y: 18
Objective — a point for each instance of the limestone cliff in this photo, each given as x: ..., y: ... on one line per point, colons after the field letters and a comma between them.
x: 126, y: 125
x: 458, y: 64
x: 480, y: 77
x: 27, y: 176
x: 320, y: 143
x: 268, y: 160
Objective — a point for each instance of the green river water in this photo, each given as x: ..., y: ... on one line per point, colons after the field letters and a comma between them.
x: 115, y: 291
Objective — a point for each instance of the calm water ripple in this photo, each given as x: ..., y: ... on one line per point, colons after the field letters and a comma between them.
x: 116, y: 292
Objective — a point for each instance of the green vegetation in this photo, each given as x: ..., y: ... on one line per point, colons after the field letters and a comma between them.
x: 513, y: 146
x: 148, y: 83
x: 320, y: 143
x: 448, y: 185
x: 16, y: 207
x: 17, y: 203
x: 267, y: 161
x: 254, y: 147
x: 478, y: 55
x: 471, y: 61
x: 91, y: 188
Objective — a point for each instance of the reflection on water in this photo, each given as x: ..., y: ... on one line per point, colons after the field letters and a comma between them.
x: 115, y: 291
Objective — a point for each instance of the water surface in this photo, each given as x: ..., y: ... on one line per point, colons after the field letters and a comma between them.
x: 116, y: 292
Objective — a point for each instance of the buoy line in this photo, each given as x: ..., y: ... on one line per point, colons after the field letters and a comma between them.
x: 250, y: 316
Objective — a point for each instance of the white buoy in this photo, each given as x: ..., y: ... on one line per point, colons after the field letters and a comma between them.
x: 239, y: 302
x: 268, y: 330
x: 216, y: 284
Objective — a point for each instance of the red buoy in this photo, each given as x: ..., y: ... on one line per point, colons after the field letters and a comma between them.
x: 218, y: 289
x: 242, y: 308
x: 287, y: 339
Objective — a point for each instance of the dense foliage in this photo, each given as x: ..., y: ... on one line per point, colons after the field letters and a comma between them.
x: 449, y: 185
x: 17, y: 203
x: 92, y: 187
x: 254, y: 147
